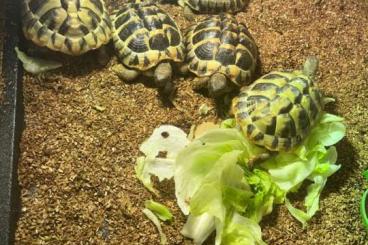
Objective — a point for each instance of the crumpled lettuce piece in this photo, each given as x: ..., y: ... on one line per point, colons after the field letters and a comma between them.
x: 225, y: 175
x: 228, y: 123
x: 166, y: 140
x: 223, y: 190
x: 319, y: 178
x: 329, y: 130
x: 199, y: 158
x: 241, y: 230
x: 208, y: 198
x: 266, y: 194
x: 161, y: 211
x: 313, y: 161
x: 215, y: 187
x: 156, y: 222
x: 288, y: 170
x: 36, y: 65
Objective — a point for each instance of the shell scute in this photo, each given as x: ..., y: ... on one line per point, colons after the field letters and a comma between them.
x: 217, y: 45
x: 144, y: 35
x: 68, y: 26
x: 215, y: 6
x: 278, y: 110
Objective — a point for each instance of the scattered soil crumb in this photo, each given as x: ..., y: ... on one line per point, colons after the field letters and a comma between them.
x: 76, y: 168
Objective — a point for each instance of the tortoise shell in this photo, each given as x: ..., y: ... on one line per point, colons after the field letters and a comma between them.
x: 278, y: 110
x: 144, y: 35
x: 214, y: 6
x: 221, y: 44
x: 69, y: 26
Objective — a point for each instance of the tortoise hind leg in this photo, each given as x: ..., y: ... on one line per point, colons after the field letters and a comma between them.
x: 103, y: 56
x: 125, y: 73
x: 188, y: 13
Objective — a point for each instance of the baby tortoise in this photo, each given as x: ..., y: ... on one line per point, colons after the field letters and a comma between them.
x: 222, y: 53
x: 72, y: 27
x: 147, y: 41
x: 211, y: 6
x: 278, y: 110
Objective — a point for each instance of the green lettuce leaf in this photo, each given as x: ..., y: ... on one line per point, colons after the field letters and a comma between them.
x: 288, y: 170
x: 216, y: 188
x: 198, y: 159
x: 240, y: 230
x: 224, y: 176
x: 314, y: 160
x: 162, y: 212
x: 329, y: 130
x: 266, y: 194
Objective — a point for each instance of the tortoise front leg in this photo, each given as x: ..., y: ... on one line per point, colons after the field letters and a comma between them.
x: 218, y: 85
x: 163, y: 74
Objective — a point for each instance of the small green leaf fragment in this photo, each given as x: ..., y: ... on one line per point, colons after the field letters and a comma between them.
x: 365, y: 174
x: 162, y: 212
x: 204, y: 109
x: 143, y: 174
x: 297, y: 213
x: 228, y: 123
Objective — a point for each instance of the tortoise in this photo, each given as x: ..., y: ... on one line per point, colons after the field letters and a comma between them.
x: 211, y: 6
x: 222, y: 53
x: 72, y: 27
x: 279, y: 109
x: 147, y: 41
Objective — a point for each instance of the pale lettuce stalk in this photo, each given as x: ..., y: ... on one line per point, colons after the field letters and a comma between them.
x: 150, y: 215
x: 199, y: 227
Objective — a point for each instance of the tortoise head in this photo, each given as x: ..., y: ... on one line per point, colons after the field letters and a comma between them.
x: 310, y: 66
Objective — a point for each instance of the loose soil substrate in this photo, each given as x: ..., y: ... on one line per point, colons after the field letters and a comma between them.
x: 77, y: 163
x: 2, y: 21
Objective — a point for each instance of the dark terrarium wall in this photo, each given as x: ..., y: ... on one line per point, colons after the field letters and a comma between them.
x: 77, y: 160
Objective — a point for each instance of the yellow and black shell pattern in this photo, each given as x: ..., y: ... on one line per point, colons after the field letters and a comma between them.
x: 278, y: 110
x: 222, y: 44
x: 70, y: 26
x: 144, y: 35
x: 214, y: 6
